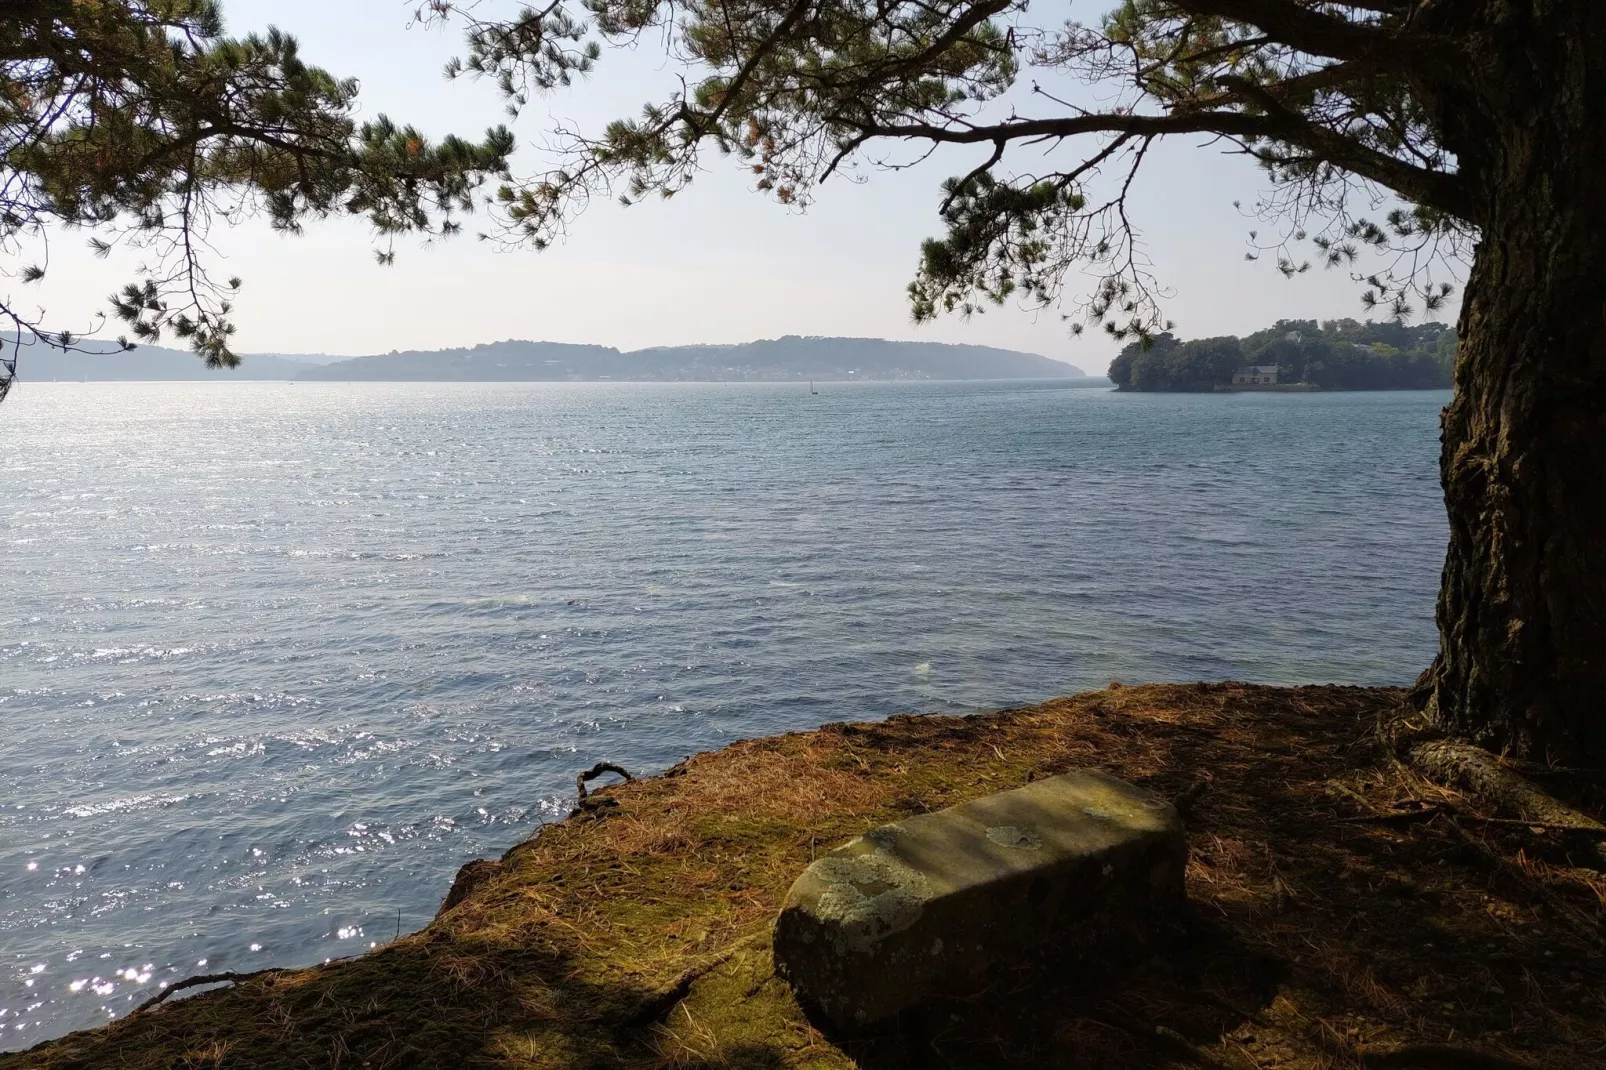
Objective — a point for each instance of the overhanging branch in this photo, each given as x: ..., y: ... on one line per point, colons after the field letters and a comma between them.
x: 1310, y: 31
x: 1440, y: 190
x: 1231, y: 124
x: 1436, y: 189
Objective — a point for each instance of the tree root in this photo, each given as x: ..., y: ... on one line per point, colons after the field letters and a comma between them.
x: 1404, y: 813
x: 1418, y: 810
x: 1506, y: 822
x: 587, y: 803
x: 596, y: 771
x: 1583, y: 926
x: 202, y: 979
x: 1480, y: 773
x: 472, y: 876
x: 1476, y: 770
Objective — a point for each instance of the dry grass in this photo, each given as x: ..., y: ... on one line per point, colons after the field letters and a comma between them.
x: 636, y: 935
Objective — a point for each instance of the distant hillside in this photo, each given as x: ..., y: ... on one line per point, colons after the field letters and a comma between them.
x: 791, y: 358
x: 780, y: 359
x: 40, y: 363
x: 495, y: 362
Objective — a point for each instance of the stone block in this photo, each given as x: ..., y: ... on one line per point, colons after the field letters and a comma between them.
x: 926, y: 905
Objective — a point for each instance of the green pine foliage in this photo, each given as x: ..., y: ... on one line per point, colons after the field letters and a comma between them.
x: 1327, y: 97
x: 1342, y: 354
x: 143, y: 123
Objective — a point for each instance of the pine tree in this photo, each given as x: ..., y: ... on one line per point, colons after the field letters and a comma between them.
x: 140, y: 121
x: 1486, y: 118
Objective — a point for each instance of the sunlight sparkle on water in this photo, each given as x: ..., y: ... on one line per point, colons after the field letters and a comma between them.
x: 271, y: 695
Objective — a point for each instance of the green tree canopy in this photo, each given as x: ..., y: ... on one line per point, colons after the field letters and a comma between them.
x: 800, y: 89
x: 1341, y: 354
x: 141, y: 121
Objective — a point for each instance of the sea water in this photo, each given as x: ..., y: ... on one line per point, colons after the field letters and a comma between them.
x: 275, y: 660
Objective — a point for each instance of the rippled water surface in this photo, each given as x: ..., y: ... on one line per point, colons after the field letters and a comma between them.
x: 275, y: 660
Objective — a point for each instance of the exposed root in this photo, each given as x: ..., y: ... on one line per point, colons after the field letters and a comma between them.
x: 470, y: 877
x: 587, y: 802
x: 1542, y: 826
x: 1417, y: 810
x: 202, y: 979
x: 1405, y: 812
x: 1581, y: 924
x: 596, y: 771
x: 1476, y: 770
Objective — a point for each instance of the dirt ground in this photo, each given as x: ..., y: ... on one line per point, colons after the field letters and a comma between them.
x: 1343, y: 913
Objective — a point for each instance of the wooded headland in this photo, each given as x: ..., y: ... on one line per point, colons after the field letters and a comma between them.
x: 1340, y: 354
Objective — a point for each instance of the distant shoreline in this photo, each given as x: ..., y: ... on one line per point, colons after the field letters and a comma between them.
x: 1078, y: 382
x: 789, y: 359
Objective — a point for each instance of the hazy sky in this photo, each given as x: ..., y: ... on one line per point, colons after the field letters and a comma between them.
x: 716, y: 264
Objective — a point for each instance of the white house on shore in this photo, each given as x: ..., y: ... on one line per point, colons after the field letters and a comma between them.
x: 1255, y: 375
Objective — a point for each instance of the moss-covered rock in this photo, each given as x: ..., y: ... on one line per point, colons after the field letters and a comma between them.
x: 927, y: 905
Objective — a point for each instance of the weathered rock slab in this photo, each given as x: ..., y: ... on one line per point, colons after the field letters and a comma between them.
x: 924, y: 906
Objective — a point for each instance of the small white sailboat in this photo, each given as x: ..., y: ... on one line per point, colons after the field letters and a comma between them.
x: 811, y: 387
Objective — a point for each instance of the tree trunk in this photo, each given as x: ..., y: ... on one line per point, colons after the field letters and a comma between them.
x: 1522, y: 609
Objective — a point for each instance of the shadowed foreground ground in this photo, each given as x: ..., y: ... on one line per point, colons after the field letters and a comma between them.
x: 1335, y: 920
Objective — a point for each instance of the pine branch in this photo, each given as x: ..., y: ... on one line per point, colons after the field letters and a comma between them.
x: 1443, y: 190
x: 1307, y: 30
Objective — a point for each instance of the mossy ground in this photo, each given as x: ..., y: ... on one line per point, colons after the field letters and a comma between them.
x: 1325, y: 929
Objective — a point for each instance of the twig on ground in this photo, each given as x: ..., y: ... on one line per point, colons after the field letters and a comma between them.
x: 1431, y: 810
x: 1581, y: 925
x: 1189, y: 796
x: 202, y: 979
x: 658, y: 1004
x: 1167, y: 1039
x: 1438, y: 1057
x: 1427, y: 811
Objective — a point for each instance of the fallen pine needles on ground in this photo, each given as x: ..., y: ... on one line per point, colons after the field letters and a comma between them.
x: 1344, y: 913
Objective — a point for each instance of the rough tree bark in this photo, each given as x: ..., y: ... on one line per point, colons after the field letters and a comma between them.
x: 1522, y: 609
